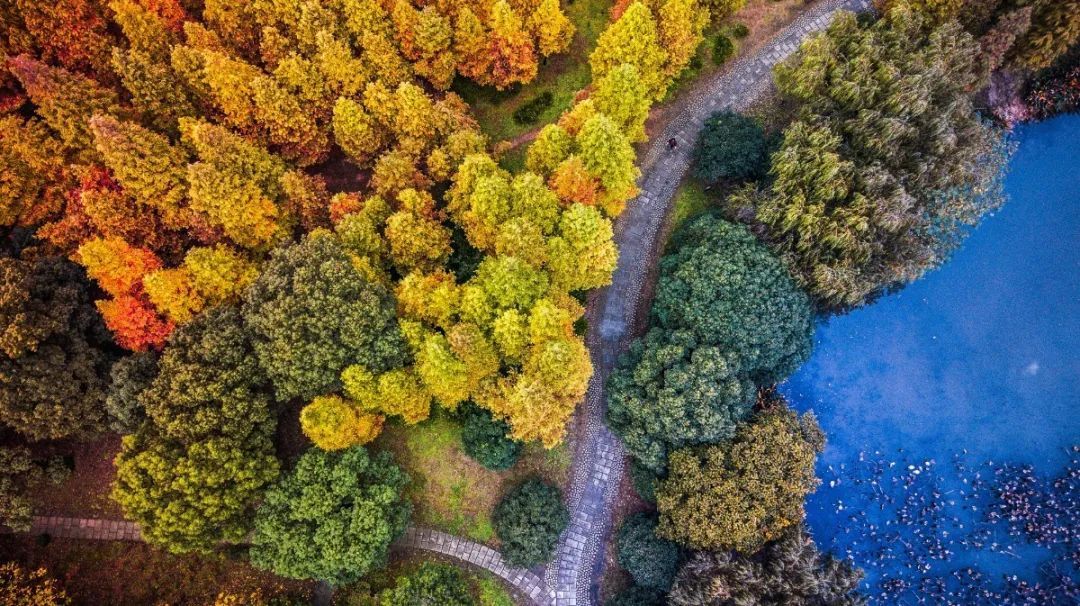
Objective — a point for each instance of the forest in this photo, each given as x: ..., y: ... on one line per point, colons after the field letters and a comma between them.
x: 272, y: 254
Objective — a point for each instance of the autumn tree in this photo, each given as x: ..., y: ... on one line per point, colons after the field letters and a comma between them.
x: 512, y: 52
x: 743, y: 493
x: 633, y: 39
x: 551, y: 28
x: 22, y: 587
x: 866, y: 201
x: 334, y: 423
x: 33, y: 174
x: 129, y: 377
x: 332, y: 518
x: 1055, y: 27
x: 20, y: 477
x: 681, y: 24
x: 312, y: 314
x: 54, y: 357
x: 621, y: 96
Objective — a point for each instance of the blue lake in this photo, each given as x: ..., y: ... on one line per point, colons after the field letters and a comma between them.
x: 977, y: 362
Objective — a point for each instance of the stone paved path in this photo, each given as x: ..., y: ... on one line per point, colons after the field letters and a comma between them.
x: 573, y: 577
x: 598, y: 463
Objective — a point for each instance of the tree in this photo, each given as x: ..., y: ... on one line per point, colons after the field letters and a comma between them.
x: 553, y: 144
x: 513, y: 57
x: 20, y: 477
x: 235, y: 183
x: 681, y: 24
x: 484, y: 439
x: 746, y: 492
x: 864, y: 201
x: 417, y: 238
x: 727, y: 319
x: 191, y: 498
x: 33, y: 175
x: 22, y: 587
x: 621, y: 96
x: 430, y: 583
x: 358, y: 135
x: 312, y: 314
x: 209, y: 383
x: 789, y: 570
x: 471, y: 45
x: 996, y: 43
x: 1055, y: 27
x: 528, y: 522
x: 636, y: 596
x: 633, y: 39
x: 54, y: 356
x: 731, y: 147
x: 332, y: 518
x: 650, y: 560
x: 582, y: 255
x: 218, y: 274
x: 65, y: 100
x: 334, y: 423
x: 135, y: 323
x: 552, y: 30
x: 130, y: 377
x: 609, y: 157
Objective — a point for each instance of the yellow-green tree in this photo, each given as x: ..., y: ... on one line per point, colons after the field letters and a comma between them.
x: 334, y: 423
x: 633, y: 39
x: 552, y: 30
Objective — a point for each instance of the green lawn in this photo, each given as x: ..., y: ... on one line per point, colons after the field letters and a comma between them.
x: 449, y: 490
x: 562, y: 75
x: 690, y: 200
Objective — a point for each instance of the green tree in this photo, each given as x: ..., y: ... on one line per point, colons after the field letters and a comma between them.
x: 528, y: 522
x: 130, y: 376
x: 484, y: 438
x: 867, y: 200
x: 332, y: 518
x: 209, y: 383
x: 430, y: 583
x: 636, y: 596
x: 312, y: 314
x: 746, y: 492
x: 727, y: 319
x: 54, y: 352
x: 651, y: 560
x: 789, y: 570
x: 731, y: 147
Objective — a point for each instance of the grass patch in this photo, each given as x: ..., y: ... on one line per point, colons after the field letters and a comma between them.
x: 449, y: 490
x: 691, y: 200
x: 560, y: 76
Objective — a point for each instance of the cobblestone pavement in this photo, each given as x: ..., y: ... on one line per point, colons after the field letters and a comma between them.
x: 576, y: 572
x: 573, y: 577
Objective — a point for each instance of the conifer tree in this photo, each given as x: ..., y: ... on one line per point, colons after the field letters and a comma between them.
x: 621, y: 96
x: 633, y: 39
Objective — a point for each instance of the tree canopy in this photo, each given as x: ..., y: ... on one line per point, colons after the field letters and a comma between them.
x: 877, y: 180
x: 743, y: 493
x: 332, y: 517
x: 528, y: 522
x: 726, y: 320
x: 651, y: 560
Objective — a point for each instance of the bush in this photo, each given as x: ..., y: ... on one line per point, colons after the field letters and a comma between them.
x: 637, y: 596
x: 651, y: 560
x: 431, y: 583
x: 644, y: 480
x: 529, y: 112
x: 732, y: 147
x: 722, y: 50
x: 529, y: 521
x: 484, y: 438
x: 740, y: 30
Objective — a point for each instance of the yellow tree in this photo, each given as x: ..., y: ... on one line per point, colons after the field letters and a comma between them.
x: 333, y: 423
x: 682, y: 23
x: 550, y: 27
x: 621, y: 96
x: 513, y: 54
x: 633, y: 39
x: 418, y: 240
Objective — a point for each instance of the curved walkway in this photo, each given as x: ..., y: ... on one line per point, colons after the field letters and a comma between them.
x: 598, y: 462
x: 573, y: 577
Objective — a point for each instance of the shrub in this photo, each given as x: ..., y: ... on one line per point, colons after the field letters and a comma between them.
x: 722, y: 50
x: 651, y: 560
x: 637, y: 596
x: 740, y: 30
x: 529, y: 521
x: 731, y: 147
x: 743, y: 493
x: 644, y: 481
x: 529, y: 112
x: 333, y: 518
x: 484, y: 438
x: 431, y: 583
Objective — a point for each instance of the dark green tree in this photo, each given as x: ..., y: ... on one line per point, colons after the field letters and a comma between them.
x: 130, y: 376
x: 431, y: 583
x: 528, y: 522
x: 54, y: 350
x: 651, y: 560
x: 313, y: 314
x: 636, y: 596
x: 332, y: 518
x: 727, y: 319
x: 789, y: 570
x: 731, y: 147
x: 485, y: 439
x: 209, y: 382
x: 878, y: 179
